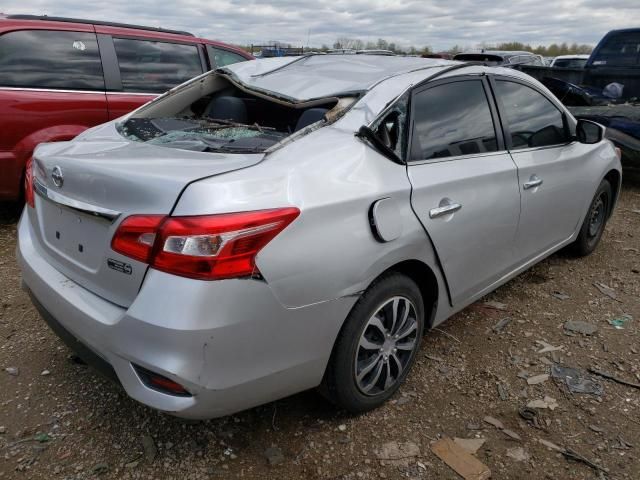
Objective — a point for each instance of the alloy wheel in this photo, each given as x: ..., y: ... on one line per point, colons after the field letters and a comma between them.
x: 386, y: 346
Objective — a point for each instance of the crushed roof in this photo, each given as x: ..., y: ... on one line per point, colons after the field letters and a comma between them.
x: 318, y: 76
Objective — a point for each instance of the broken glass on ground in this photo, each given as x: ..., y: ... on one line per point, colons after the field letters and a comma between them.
x: 577, y: 381
x: 619, y: 322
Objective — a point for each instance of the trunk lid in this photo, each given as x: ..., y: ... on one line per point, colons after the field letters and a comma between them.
x: 85, y: 188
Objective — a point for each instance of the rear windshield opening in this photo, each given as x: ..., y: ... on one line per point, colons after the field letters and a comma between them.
x: 489, y: 60
x: 228, y: 120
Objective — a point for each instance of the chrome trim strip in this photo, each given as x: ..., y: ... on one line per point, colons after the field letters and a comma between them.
x: 57, y: 90
x: 453, y: 158
x: 136, y: 93
x: 77, y: 205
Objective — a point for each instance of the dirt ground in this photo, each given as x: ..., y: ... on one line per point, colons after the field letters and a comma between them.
x: 59, y: 419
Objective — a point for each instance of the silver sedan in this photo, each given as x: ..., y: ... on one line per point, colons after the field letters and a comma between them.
x: 291, y: 223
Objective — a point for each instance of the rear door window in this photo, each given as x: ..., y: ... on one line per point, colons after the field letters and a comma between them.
x: 154, y: 67
x: 532, y: 120
x: 450, y: 120
x: 50, y: 59
x: 220, y: 57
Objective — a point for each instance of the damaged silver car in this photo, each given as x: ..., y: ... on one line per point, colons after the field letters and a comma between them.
x: 291, y: 223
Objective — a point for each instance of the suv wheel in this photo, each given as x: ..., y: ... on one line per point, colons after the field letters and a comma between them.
x: 377, y: 345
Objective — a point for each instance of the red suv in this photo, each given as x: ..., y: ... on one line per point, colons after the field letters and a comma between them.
x: 60, y: 76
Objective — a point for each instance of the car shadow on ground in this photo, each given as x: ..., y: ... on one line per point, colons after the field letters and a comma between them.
x: 9, y: 212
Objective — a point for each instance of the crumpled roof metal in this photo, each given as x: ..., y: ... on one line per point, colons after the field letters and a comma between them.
x: 300, y: 79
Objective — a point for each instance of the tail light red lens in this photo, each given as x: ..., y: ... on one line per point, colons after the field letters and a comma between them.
x: 208, y: 247
x: 28, y: 183
x: 136, y: 235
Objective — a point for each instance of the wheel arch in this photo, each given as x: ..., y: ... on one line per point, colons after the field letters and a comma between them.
x: 427, y: 282
x: 424, y: 277
x: 23, y: 150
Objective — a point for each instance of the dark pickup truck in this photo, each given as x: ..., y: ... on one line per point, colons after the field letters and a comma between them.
x: 606, y: 90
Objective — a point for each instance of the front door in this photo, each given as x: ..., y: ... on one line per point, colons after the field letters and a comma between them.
x: 465, y: 185
x: 553, y: 183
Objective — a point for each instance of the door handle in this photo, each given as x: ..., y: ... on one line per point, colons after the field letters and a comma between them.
x: 533, y: 182
x: 444, y: 210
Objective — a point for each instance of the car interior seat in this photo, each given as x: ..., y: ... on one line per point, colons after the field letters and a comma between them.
x: 232, y: 109
x: 309, y: 116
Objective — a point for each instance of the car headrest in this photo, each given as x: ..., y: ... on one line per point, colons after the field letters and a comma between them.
x: 312, y: 115
x: 232, y: 109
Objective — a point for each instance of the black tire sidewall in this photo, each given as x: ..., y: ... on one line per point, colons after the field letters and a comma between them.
x: 584, y: 244
x: 340, y: 379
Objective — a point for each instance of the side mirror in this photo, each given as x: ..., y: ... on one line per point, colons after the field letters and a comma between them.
x: 589, y: 132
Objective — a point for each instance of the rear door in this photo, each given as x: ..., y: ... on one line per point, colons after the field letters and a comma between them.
x: 465, y: 185
x: 141, y: 69
x: 553, y: 182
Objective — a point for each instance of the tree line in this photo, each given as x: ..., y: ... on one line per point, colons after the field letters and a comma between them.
x: 552, y: 50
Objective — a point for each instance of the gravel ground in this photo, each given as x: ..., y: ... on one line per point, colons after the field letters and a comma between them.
x: 59, y: 419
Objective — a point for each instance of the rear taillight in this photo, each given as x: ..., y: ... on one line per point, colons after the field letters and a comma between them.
x: 618, y: 153
x: 28, y: 183
x: 136, y: 235
x: 208, y: 247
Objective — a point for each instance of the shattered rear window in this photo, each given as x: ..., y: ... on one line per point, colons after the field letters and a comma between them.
x: 201, y: 134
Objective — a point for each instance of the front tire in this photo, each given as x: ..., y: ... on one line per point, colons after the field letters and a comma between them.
x: 377, y: 345
x: 595, y: 221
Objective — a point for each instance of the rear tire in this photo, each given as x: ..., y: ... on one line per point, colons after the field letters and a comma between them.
x: 376, y: 346
x: 595, y: 221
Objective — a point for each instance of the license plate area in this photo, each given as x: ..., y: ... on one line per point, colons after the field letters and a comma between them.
x: 75, y: 236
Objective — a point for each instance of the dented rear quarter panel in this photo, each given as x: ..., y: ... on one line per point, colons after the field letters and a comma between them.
x: 329, y: 251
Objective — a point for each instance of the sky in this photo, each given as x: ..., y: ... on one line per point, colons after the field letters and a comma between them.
x: 439, y: 24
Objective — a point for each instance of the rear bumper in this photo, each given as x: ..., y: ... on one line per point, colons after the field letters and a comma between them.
x: 84, y: 352
x: 230, y: 343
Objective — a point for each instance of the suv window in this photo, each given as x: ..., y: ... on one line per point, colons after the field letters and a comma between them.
x: 620, y: 49
x: 220, y: 57
x: 148, y: 66
x: 50, y: 59
x: 532, y: 120
x: 450, y: 120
